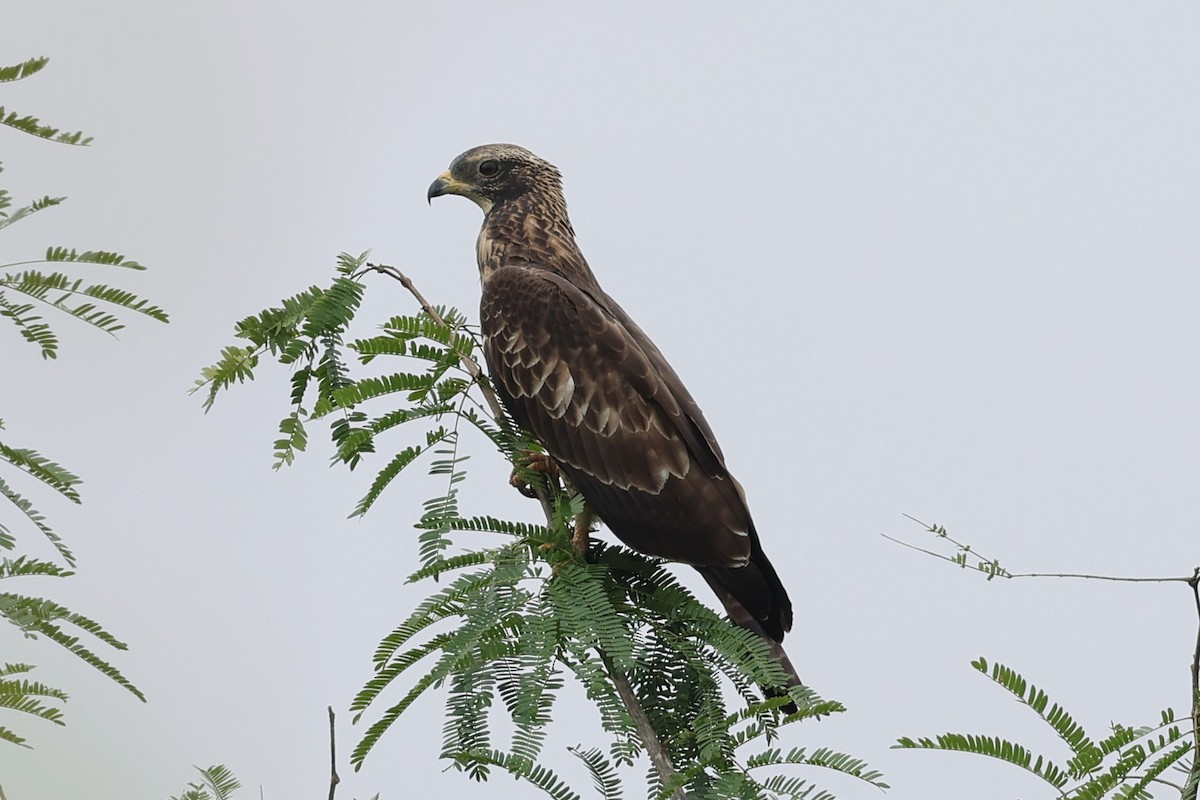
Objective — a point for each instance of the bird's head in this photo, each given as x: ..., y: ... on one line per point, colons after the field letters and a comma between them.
x: 492, y: 173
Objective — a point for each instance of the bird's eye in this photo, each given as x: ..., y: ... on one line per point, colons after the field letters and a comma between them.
x: 489, y: 168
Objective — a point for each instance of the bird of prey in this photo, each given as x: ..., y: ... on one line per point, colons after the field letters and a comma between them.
x: 573, y: 369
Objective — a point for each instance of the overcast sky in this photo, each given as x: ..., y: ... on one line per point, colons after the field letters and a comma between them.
x: 929, y: 258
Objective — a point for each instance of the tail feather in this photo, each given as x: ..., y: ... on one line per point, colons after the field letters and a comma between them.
x: 755, y: 600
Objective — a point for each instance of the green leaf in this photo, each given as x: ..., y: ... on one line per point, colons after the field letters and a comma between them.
x: 993, y: 747
x: 236, y: 365
x: 54, y: 475
x: 24, y: 70
x: 35, y: 615
x: 24, y: 567
x: 220, y: 780
x: 26, y: 697
x: 294, y: 439
x: 605, y: 777
x: 444, y: 565
x: 541, y: 777
x: 57, y: 290
x: 216, y: 783
x: 821, y: 757
x: 348, y: 264
x: 586, y: 612
x: 106, y: 257
x: 1087, y: 755
x: 31, y: 326
x: 34, y: 127
x: 393, y: 468
x: 415, y: 387
x: 487, y: 524
x: 1169, y: 758
x: 24, y: 211
x: 794, y: 787
x: 10, y: 736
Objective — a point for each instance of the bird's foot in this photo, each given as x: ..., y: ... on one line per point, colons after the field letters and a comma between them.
x: 531, y: 461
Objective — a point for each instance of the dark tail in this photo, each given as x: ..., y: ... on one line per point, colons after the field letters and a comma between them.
x: 755, y: 599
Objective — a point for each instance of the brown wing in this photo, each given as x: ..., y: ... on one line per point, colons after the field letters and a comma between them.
x: 578, y: 378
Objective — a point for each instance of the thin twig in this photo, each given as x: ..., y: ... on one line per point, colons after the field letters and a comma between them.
x: 469, y: 364
x: 1193, y: 780
x: 1003, y: 573
x: 1121, y: 578
x: 334, y: 780
x: 657, y: 753
x: 1189, y: 789
x: 1163, y: 781
x: 903, y: 543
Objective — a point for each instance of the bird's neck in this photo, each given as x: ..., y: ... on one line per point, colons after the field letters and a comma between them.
x: 535, y: 232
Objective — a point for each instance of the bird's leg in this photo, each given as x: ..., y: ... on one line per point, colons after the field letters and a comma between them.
x: 531, y: 461
x: 581, y: 539
x: 526, y: 464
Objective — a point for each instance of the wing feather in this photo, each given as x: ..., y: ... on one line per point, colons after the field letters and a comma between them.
x: 588, y: 384
x: 575, y: 377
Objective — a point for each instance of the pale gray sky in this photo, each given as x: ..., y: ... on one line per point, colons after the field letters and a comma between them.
x: 931, y: 258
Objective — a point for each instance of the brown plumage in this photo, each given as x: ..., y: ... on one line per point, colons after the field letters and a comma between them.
x: 572, y: 368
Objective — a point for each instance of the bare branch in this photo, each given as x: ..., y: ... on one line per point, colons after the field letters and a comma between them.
x: 1097, y: 577
x: 334, y: 780
x: 992, y: 568
x: 903, y: 543
x: 1193, y: 780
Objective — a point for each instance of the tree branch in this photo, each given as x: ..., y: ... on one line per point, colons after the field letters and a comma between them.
x: 1120, y: 578
x: 657, y: 753
x: 473, y: 369
x: 1189, y: 792
x: 334, y: 780
x: 992, y: 569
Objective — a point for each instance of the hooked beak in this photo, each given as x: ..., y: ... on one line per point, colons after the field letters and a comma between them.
x: 445, y: 184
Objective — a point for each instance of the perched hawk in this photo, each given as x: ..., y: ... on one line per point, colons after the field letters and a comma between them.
x: 572, y: 368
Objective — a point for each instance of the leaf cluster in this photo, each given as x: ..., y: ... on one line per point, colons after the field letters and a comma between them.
x: 1123, y: 763
x: 513, y: 622
x: 216, y: 783
x: 32, y: 125
x: 24, y: 291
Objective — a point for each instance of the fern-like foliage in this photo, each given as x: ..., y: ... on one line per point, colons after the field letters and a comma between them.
x: 216, y: 783
x: 27, y: 697
x: 38, y: 617
x: 35, y: 616
x: 1124, y: 763
x: 509, y: 624
x: 32, y: 125
x: 90, y: 303
x: 23, y: 70
x: 24, y: 293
